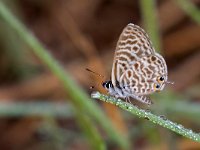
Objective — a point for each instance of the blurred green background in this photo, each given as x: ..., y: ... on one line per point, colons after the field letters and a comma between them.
x: 46, y: 105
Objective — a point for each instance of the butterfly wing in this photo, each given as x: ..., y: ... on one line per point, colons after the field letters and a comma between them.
x: 143, y: 76
x: 133, y: 44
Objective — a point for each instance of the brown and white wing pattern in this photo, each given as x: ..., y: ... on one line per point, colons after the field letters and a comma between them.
x: 133, y: 44
x: 137, y: 69
x: 143, y: 76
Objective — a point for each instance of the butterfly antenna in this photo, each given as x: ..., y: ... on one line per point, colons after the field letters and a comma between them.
x: 94, y: 72
x: 89, y: 70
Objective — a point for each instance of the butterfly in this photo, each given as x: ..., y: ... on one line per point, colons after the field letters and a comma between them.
x: 138, y: 70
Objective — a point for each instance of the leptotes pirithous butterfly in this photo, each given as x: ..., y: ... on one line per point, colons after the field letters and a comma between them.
x: 137, y: 69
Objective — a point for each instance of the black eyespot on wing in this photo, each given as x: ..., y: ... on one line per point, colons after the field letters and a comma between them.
x: 162, y: 78
x: 158, y: 86
x: 153, y: 58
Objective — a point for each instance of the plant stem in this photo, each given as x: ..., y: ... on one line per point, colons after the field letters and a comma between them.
x: 40, y: 109
x: 91, y: 131
x: 190, y: 9
x: 160, y: 120
x: 149, y: 20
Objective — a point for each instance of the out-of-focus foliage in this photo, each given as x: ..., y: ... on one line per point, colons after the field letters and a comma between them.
x: 83, y: 34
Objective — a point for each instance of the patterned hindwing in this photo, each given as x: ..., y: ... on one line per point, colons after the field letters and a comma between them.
x: 143, y: 77
x: 133, y: 44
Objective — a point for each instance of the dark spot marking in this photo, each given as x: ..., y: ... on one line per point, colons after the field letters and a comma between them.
x: 121, y: 43
x: 142, y: 41
x: 123, y: 38
x: 134, y: 42
x: 132, y: 57
x: 127, y: 48
x: 158, y: 86
x: 159, y: 61
x: 131, y: 36
x: 129, y: 28
x: 131, y: 42
x: 136, y: 65
x: 129, y: 74
x: 140, y: 52
x: 133, y: 32
x: 122, y: 58
x: 162, y: 78
x: 149, y: 61
x: 135, y: 48
x: 147, y: 71
x: 143, y: 90
x: 153, y: 58
x: 133, y: 83
x: 119, y: 53
x: 151, y: 68
x: 146, y: 53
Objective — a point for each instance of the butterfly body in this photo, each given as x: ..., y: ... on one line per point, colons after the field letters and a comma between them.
x: 137, y: 69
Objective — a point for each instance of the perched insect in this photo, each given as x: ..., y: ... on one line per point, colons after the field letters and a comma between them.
x: 137, y: 69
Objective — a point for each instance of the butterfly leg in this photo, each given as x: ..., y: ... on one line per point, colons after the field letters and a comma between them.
x: 143, y: 99
x: 128, y: 101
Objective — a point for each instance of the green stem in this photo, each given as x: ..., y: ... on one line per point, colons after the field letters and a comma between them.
x: 177, y: 107
x: 79, y: 98
x: 91, y: 131
x: 40, y: 109
x: 190, y: 9
x: 162, y: 121
x: 149, y: 18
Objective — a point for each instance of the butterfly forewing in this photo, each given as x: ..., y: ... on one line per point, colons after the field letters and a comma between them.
x: 133, y: 43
